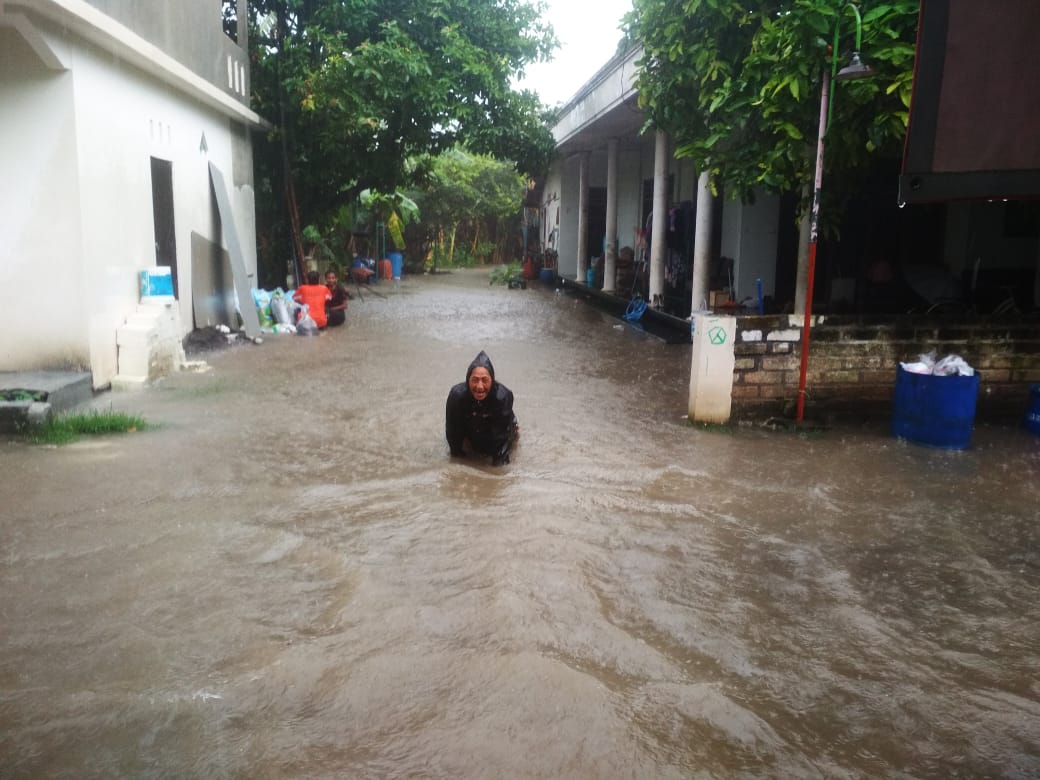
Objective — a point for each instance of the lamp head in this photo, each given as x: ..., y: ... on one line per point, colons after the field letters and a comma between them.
x: 856, y: 69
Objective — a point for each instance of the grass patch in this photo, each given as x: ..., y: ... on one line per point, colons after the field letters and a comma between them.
x: 67, y: 428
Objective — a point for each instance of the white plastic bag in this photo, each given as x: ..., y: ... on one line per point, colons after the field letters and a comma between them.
x: 953, y: 365
x: 280, y: 308
x: 305, y: 325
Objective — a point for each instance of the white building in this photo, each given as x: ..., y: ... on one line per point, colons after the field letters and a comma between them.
x: 121, y: 123
x: 608, y: 174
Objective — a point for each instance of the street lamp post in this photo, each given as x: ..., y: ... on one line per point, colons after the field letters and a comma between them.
x: 856, y: 69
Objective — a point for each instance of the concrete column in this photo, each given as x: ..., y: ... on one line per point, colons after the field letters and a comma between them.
x: 610, y: 258
x: 583, y: 217
x: 702, y: 245
x: 711, y: 368
x: 657, y: 229
x: 801, y: 280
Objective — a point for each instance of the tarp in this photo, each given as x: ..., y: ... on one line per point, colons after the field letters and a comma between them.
x: 975, y: 112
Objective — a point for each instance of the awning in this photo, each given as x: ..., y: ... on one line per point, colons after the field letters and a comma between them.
x: 975, y: 113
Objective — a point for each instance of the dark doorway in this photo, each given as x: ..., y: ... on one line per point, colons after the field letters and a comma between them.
x: 162, y: 218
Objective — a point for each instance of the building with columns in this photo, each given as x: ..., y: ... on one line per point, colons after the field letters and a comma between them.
x: 616, y: 191
x: 623, y: 215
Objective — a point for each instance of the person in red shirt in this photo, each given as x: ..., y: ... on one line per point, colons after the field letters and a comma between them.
x: 314, y: 294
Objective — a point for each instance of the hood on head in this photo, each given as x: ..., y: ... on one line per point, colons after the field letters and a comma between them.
x: 481, y: 361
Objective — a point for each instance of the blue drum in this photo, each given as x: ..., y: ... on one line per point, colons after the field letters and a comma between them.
x: 1033, y: 415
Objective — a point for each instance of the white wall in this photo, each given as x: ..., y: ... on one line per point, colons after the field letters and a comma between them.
x: 749, y: 235
x: 630, y: 183
x: 40, y: 227
x: 568, y: 263
x: 96, y: 204
x: 635, y: 163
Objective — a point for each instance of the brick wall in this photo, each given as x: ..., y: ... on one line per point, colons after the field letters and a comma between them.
x: 852, y: 363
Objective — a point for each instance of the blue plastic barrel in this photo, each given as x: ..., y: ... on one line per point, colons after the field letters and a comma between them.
x: 1033, y: 415
x: 396, y: 264
x: 937, y: 411
x: 547, y: 275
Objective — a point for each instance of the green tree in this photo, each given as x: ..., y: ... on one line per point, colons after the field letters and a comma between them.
x: 473, y: 197
x: 737, y: 84
x: 356, y: 87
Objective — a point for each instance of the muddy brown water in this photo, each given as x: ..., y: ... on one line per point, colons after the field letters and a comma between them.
x: 289, y: 578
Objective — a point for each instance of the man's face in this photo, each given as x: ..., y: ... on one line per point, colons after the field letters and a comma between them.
x: 479, y: 383
x: 330, y: 279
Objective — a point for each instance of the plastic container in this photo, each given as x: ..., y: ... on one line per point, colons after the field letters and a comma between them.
x: 590, y: 277
x: 547, y: 275
x: 396, y: 264
x: 156, y: 285
x: 1033, y: 415
x: 937, y: 411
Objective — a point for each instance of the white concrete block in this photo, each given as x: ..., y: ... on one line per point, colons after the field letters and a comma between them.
x: 134, y: 360
x: 711, y: 368
x: 784, y: 335
x: 136, y: 336
x: 124, y: 382
x: 751, y: 335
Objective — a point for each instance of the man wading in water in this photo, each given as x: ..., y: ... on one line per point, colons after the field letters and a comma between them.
x: 479, y: 414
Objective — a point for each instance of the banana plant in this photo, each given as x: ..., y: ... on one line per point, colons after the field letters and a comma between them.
x: 395, y: 210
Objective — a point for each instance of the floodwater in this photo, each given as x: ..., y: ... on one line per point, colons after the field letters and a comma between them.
x: 288, y: 577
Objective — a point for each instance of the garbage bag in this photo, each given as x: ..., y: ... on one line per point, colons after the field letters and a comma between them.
x: 305, y: 325
x: 280, y: 308
x: 262, y: 301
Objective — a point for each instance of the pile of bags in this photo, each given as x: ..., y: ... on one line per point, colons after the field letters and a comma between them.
x: 279, y: 313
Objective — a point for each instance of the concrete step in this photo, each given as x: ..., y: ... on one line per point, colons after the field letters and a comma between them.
x: 50, y: 391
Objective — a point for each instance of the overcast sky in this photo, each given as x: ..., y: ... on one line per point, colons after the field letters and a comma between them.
x: 589, y: 32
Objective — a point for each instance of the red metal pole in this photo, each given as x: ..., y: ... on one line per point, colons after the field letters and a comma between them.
x: 814, y: 225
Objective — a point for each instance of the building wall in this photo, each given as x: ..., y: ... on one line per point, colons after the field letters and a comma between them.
x: 44, y: 287
x: 749, y: 235
x: 85, y: 140
x: 635, y: 166
x: 852, y: 363
x: 205, y: 50
x: 630, y: 180
x: 568, y: 261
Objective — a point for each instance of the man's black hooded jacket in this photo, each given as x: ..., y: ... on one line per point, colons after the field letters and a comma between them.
x: 490, y: 425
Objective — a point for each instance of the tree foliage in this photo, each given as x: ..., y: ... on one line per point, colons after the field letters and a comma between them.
x: 470, y: 198
x: 737, y: 84
x: 356, y: 89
